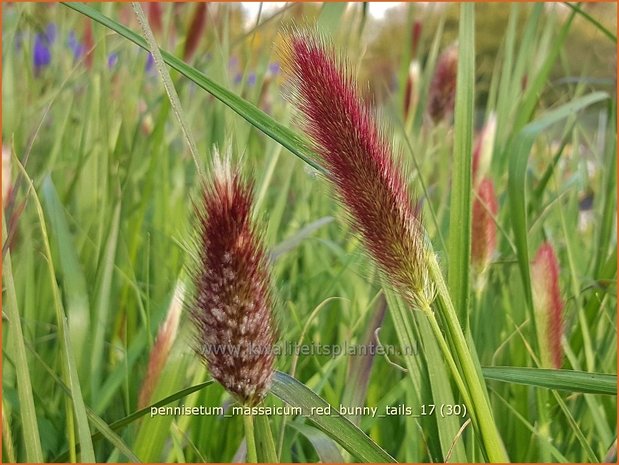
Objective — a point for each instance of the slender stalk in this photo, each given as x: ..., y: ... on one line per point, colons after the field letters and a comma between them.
x: 263, y: 437
x: 476, y: 387
x: 436, y: 330
x: 252, y: 457
x: 167, y: 84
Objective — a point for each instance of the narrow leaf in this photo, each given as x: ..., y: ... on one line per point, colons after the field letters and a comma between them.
x: 336, y: 426
x: 459, y: 246
x: 564, y: 380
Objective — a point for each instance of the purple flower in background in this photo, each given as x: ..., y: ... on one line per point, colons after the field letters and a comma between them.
x: 274, y: 68
x: 238, y: 77
x: 76, y: 46
x: 233, y: 63
x: 251, y: 79
x: 150, y: 62
x: 41, y: 54
x: 112, y: 59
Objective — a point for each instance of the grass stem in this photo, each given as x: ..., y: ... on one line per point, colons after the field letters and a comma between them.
x: 476, y: 387
x: 248, y: 421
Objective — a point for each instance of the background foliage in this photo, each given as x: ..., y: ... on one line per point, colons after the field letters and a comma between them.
x: 98, y: 221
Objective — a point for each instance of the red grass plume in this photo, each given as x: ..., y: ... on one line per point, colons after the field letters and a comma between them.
x: 415, y: 36
x: 548, y: 305
x: 196, y: 28
x: 155, y: 17
x: 442, y: 93
x: 485, y: 208
x: 232, y: 308
x: 359, y: 161
x: 89, y: 44
x: 162, y: 347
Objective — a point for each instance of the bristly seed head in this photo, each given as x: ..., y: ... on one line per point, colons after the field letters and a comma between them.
x: 548, y: 305
x: 163, y: 345
x: 359, y: 161
x: 442, y: 93
x: 232, y: 306
x: 483, y: 237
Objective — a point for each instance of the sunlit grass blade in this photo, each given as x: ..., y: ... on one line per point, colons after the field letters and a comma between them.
x: 563, y: 380
x: 336, y: 426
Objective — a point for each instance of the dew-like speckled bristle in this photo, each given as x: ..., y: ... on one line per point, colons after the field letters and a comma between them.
x: 232, y: 307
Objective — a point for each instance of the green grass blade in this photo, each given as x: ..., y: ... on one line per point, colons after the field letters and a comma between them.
x: 119, y: 424
x: 167, y: 84
x: 592, y: 20
x: 100, y: 425
x: 436, y: 369
x: 564, y: 380
x: 69, y: 368
x: 459, y: 244
x: 73, y: 282
x: 297, y: 238
x: 337, y: 427
x: 584, y: 442
x: 30, y: 428
x: 534, y: 90
x: 517, y: 178
x: 467, y: 360
x: 247, y: 110
x: 265, y: 446
x: 102, y: 303
x: 609, y: 198
x: 533, y: 429
x: 112, y: 437
x: 324, y: 446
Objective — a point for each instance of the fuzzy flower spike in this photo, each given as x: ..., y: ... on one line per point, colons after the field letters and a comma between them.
x: 359, y: 161
x: 232, y: 307
x: 548, y: 305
